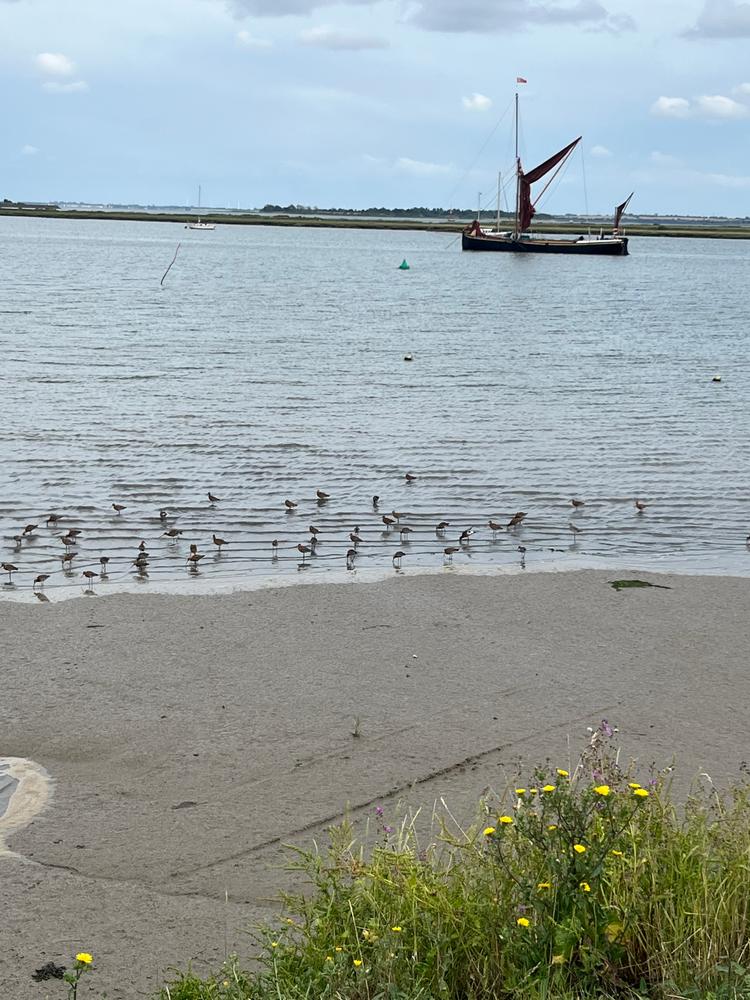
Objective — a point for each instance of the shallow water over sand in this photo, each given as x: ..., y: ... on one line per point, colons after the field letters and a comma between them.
x: 271, y: 365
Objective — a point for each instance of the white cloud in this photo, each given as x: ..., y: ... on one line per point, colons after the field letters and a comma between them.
x: 729, y: 180
x: 251, y: 42
x: 75, y: 87
x: 600, y: 151
x: 709, y: 106
x: 420, y: 168
x: 722, y: 19
x: 742, y: 89
x: 477, y: 102
x: 330, y: 38
x: 499, y: 16
x: 55, y: 64
x: 664, y: 159
x: 718, y: 106
x: 671, y: 107
x: 29, y: 150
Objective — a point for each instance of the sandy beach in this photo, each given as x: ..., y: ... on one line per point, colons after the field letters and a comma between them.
x: 189, y: 738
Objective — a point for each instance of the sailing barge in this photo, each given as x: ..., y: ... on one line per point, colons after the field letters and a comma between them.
x: 520, y: 240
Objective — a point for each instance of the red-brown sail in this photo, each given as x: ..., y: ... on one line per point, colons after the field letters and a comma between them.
x: 620, y: 211
x: 525, y: 180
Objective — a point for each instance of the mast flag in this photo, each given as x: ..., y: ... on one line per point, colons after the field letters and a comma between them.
x: 525, y: 180
x: 520, y: 79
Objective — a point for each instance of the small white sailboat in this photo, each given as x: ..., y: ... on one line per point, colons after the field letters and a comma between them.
x: 199, y: 224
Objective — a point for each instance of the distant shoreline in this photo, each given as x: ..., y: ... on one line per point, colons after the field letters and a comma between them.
x: 354, y: 222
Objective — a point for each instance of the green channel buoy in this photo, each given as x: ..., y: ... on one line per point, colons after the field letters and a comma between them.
x: 403, y: 266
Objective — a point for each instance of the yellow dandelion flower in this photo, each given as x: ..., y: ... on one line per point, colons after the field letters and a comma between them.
x: 579, y: 848
x: 602, y: 790
x: 520, y: 791
x: 397, y: 929
x: 552, y: 826
x: 533, y: 790
x: 488, y: 831
x: 563, y: 773
x: 633, y: 784
x: 617, y: 854
x: 558, y: 959
x: 544, y: 885
x: 523, y: 922
x: 84, y: 957
x: 338, y: 948
x: 274, y: 944
x: 585, y: 886
x: 505, y: 819
x: 641, y: 793
x: 225, y: 983
x: 357, y: 962
x: 329, y: 958
x: 548, y: 788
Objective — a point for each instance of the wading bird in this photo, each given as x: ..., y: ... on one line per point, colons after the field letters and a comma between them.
x: 440, y: 529
x: 90, y: 577
x: 142, y: 547
x: 304, y: 549
x: 172, y: 533
x: 351, y: 555
x: 396, y: 514
x: 40, y: 580
x: 118, y: 508
x: 574, y: 529
x: 53, y: 519
x: 516, y: 519
x: 375, y: 502
x: 354, y: 537
x: 640, y: 506
x: 41, y: 597
x: 450, y: 552
x: 289, y: 504
x: 213, y: 499
x: 10, y: 569
x: 322, y: 496
x: 103, y: 562
x: 163, y: 515
x: 194, y: 558
x: 577, y: 503
x: 465, y: 536
x: 30, y: 529
x: 409, y: 477
x: 388, y: 521
x: 405, y: 531
x: 218, y: 542
x: 67, y: 559
x: 313, y: 530
x: 275, y: 548
x: 397, y: 557
x: 494, y: 527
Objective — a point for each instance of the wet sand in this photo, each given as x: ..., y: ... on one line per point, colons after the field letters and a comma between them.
x: 189, y: 738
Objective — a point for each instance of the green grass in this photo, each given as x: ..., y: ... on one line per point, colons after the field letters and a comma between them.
x: 572, y: 887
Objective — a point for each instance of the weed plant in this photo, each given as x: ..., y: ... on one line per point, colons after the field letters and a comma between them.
x: 589, y: 884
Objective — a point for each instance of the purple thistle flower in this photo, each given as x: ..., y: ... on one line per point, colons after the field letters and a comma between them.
x: 378, y: 810
x: 607, y: 729
x: 387, y: 829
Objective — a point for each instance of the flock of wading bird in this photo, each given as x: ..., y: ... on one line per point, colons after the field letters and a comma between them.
x: 391, y: 521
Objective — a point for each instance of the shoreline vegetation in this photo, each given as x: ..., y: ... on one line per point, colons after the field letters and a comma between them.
x: 570, y: 885
x: 731, y: 229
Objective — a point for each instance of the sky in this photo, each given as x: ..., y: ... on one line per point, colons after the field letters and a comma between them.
x: 375, y: 102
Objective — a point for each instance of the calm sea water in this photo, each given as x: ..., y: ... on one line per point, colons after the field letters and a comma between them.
x: 271, y: 364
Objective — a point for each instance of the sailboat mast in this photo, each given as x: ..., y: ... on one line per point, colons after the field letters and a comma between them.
x: 518, y: 172
x: 499, y: 190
